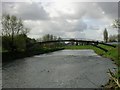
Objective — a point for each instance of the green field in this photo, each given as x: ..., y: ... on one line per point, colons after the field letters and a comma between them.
x: 112, y: 54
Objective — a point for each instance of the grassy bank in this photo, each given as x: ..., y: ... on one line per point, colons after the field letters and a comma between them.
x: 112, y: 54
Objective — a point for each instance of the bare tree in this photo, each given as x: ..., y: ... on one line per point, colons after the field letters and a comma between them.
x: 12, y: 26
x: 116, y: 23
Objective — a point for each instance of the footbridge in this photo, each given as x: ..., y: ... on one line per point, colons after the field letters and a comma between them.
x: 78, y: 41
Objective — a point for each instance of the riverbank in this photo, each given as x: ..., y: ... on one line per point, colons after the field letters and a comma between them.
x: 112, y: 54
x: 10, y: 56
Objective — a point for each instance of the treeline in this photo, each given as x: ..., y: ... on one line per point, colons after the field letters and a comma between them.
x: 14, y: 34
x: 16, y: 43
x: 49, y: 37
x: 114, y: 38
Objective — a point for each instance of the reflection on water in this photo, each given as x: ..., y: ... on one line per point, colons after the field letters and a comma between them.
x: 65, y: 68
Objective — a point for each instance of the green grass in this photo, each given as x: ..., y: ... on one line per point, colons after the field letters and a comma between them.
x: 112, y: 54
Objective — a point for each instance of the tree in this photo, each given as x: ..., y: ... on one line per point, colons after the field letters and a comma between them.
x: 105, y: 34
x: 113, y: 38
x: 46, y: 37
x: 49, y: 37
x: 54, y: 37
x: 116, y: 24
x: 59, y: 38
x: 11, y: 27
x: 72, y: 41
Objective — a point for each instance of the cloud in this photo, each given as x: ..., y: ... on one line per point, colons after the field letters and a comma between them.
x: 93, y: 27
x: 109, y: 8
x: 26, y: 11
x: 65, y: 19
x: 56, y: 27
x: 73, y: 10
x: 80, y: 26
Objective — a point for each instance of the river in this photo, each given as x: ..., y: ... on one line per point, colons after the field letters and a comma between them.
x: 60, y: 69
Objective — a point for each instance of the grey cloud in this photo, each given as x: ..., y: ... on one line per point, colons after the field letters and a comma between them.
x: 110, y: 8
x: 38, y: 19
x: 81, y: 10
x: 37, y: 11
x: 93, y: 27
x: 96, y: 10
x: 26, y: 11
x: 58, y: 27
x: 80, y: 26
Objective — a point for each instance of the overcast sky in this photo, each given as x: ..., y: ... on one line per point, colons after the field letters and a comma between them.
x: 65, y: 19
